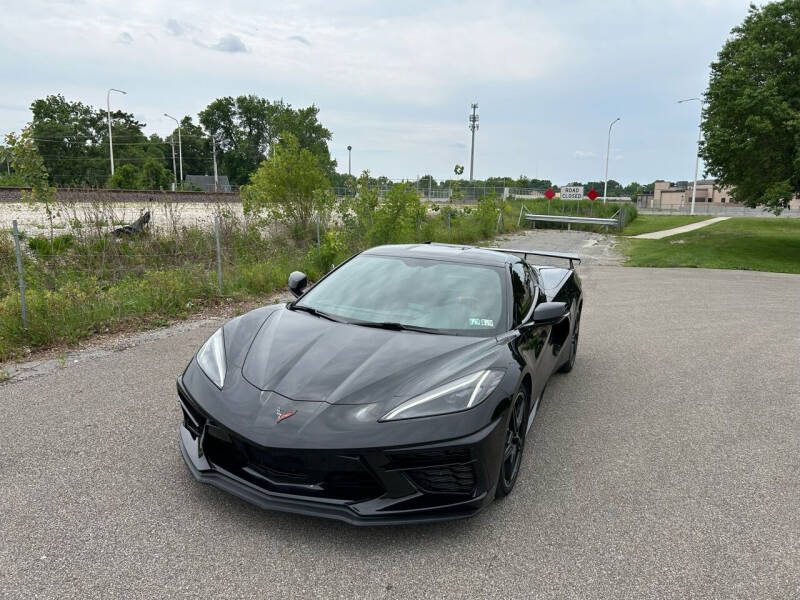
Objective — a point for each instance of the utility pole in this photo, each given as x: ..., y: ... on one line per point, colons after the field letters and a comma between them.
x: 473, y: 125
x: 214, y: 151
x: 608, y: 150
x: 180, y: 150
x: 699, y: 141
x: 349, y: 151
x: 108, y: 116
x: 174, y: 169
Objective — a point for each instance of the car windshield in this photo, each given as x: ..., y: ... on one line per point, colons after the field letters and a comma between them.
x: 456, y: 298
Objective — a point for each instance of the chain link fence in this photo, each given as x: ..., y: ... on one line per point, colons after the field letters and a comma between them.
x: 82, y: 274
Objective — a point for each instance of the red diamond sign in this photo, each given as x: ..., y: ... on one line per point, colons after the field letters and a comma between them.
x: 549, y: 194
x: 592, y: 195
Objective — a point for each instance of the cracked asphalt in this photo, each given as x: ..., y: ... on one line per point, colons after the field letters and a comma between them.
x: 666, y: 465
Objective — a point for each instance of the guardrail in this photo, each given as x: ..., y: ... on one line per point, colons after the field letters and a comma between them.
x: 616, y: 220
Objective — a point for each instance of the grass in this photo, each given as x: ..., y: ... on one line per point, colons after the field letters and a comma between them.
x: 87, y: 282
x: 69, y: 297
x: 751, y: 244
x: 650, y: 223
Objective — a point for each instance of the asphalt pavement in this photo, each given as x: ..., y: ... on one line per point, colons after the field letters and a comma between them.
x: 666, y: 465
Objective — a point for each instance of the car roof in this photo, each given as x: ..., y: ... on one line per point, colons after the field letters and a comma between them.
x: 446, y: 252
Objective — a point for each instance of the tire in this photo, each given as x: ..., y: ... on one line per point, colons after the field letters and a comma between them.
x: 514, y: 444
x: 573, y: 347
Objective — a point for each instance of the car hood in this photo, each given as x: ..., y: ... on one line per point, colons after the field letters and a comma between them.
x: 304, y: 357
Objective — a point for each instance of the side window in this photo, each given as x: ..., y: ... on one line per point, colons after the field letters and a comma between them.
x: 521, y: 284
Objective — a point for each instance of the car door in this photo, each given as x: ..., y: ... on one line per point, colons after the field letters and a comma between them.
x: 532, y: 339
x: 547, y: 361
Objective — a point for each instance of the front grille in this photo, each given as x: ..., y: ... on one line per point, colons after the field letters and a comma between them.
x: 409, y: 459
x: 313, y: 473
x: 452, y: 479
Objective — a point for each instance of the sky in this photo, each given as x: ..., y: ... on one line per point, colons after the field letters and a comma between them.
x: 396, y: 79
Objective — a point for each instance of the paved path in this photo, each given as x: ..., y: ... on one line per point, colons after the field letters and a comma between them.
x: 666, y: 465
x: 593, y: 248
x: 657, y: 235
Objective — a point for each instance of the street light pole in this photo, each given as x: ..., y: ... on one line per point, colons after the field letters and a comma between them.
x: 174, y: 169
x: 180, y: 151
x: 349, y: 154
x: 108, y: 116
x: 608, y: 151
x: 697, y: 157
x: 214, y: 152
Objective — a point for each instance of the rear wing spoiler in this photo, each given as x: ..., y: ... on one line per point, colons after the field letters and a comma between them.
x: 525, y: 253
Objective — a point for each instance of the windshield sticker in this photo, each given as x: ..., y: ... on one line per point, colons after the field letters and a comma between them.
x: 481, y: 322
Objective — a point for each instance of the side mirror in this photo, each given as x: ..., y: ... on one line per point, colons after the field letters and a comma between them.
x: 548, y: 313
x: 297, y: 283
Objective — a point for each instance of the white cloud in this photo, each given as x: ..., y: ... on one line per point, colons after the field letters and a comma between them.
x: 174, y: 27
x: 230, y: 43
x: 395, y: 79
x: 300, y: 39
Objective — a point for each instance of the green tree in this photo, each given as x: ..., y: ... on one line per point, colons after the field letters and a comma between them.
x: 633, y: 189
x: 7, y: 176
x: 357, y: 212
x: 152, y: 175
x: 541, y: 184
x: 290, y: 186
x: 487, y: 214
x: 246, y: 128
x: 399, y: 217
x: 28, y: 164
x: 131, y: 145
x: 195, y: 146
x: 304, y: 124
x: 615, y: 188
x: 72, y: 138
x: 751, y: 122
x: 126, y: 177
x: 69, y: 136
x: 426, y: 182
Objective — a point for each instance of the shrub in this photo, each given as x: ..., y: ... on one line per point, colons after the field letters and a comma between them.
x: 61, y: 243
x: 290, y: 186
x: 398, y: 218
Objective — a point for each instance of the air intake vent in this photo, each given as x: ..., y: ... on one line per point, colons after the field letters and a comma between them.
x: 454, y: 479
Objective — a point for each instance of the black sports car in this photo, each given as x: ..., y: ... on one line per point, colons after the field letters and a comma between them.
x: 399, y: 388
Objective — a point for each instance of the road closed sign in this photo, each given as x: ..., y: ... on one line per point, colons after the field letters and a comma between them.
x: 572, y: 192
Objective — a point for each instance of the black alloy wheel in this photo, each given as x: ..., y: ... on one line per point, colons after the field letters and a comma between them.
x: 514, y: 444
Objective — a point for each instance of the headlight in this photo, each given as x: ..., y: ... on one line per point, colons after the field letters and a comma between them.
x: 211, y: 358
x: 457, y: 395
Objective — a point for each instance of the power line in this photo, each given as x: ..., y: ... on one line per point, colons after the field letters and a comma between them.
x: 120, y: 159
x: 143, y: 140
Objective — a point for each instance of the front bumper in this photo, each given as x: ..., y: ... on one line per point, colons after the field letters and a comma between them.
x: 439, y: 481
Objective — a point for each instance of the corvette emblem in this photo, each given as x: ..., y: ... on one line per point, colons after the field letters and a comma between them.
x: 283, y: 415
